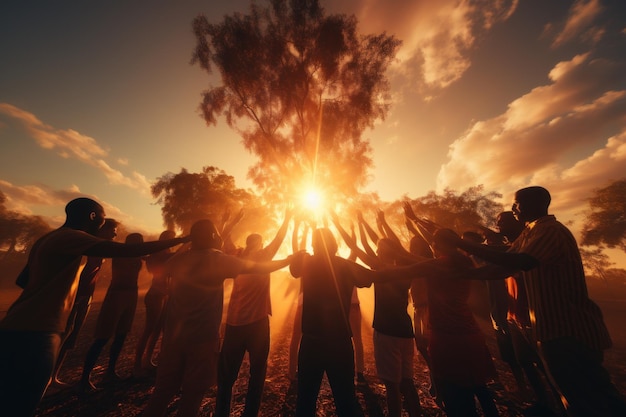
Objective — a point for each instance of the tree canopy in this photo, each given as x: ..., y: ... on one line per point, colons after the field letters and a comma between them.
x: 186, y: 197
x: 19, y: 231
x: 301, y: 87
x: 461, y: 212
x: 605, y: 222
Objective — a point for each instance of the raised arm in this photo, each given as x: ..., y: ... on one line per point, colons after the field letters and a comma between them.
x: 388, y: 230
x: 371, y: 261
x: 372, y: 234
x: 366, y: 246
x: 271, y: 249
x: 353, y: 255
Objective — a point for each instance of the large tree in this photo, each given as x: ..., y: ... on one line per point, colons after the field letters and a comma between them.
x: 19, y: 231
x: 186, y: 197
x: 605, y: 222
x: 301, y: 87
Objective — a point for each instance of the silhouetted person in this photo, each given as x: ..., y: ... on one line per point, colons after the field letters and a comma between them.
x: 461, y: 362
x: 566, y: 325
x: 84, y: 295
x: 190, y: 345
x: 116, y: 315
x: 326, y: 345
x: 155, y: 301
x: 31, y: 332
x: 248, y: 327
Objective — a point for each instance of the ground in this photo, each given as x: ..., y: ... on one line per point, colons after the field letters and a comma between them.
x: 127, y: 398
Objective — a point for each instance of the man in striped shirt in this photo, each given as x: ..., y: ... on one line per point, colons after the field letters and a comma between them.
x: 568, y: 327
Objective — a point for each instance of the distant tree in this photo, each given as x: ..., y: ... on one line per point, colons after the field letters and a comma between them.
x: 186, y: 197
x: 595, y: 262
x: 301, y: 87
x: 19, y: 231
x: 461, y: 212
x: 605, y: 222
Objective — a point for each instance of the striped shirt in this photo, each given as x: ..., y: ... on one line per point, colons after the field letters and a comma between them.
x: 558, y: 301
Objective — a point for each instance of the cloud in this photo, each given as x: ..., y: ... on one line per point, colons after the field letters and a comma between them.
x: 22, y: 198
x: 69, y: 143
x: 437, y: 35
x: 551, y: 136
x: 579, y: 23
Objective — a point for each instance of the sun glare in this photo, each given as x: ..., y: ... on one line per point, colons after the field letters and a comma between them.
x: 313, y: 199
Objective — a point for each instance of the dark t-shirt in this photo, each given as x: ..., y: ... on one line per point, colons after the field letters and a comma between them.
x: 327, y: 292
x: 390, y: 313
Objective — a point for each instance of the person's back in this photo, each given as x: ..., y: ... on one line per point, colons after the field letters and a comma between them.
x: 250, y: 297
x: 46, y: 301
x: 196, y: 296
x: 327, y: 284
x: 556, y: 288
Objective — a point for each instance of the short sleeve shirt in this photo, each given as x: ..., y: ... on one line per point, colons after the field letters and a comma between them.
x: 250, y: 299
x: 197, y: 294
x: 327, y: 293
x: 559, y: 305
x: 54, y: 268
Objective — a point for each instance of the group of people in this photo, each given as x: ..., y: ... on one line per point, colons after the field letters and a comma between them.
x: 548, y: 330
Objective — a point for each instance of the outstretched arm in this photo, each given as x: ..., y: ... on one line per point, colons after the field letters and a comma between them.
x: 110, y: 249
x: 511, y: 260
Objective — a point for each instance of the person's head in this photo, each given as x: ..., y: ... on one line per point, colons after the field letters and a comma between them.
x: 324, y: 242
x: 134, y: 238
x: 204, y: 235
x: 508, y: 225
x: 84, y: 214
x: 108, y: 230
x: 167, y: 235
x: 531, y: 203
x: 386, y: 250
x: 418, y: 246
x: 254, y: 242
x: 441, y: 246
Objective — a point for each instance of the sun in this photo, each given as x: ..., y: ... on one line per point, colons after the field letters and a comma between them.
x: 313, y: 199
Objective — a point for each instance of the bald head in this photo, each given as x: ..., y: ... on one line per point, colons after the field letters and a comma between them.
x: 204, y: 235
x: 84, y: 214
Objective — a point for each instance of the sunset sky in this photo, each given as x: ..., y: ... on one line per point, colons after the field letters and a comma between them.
x: 100, y: 99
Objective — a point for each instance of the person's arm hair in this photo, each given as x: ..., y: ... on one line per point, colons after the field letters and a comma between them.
x: 271, y: 249
x: 110, y: 249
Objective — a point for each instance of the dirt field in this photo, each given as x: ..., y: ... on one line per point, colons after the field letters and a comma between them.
x: 129, y: 397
